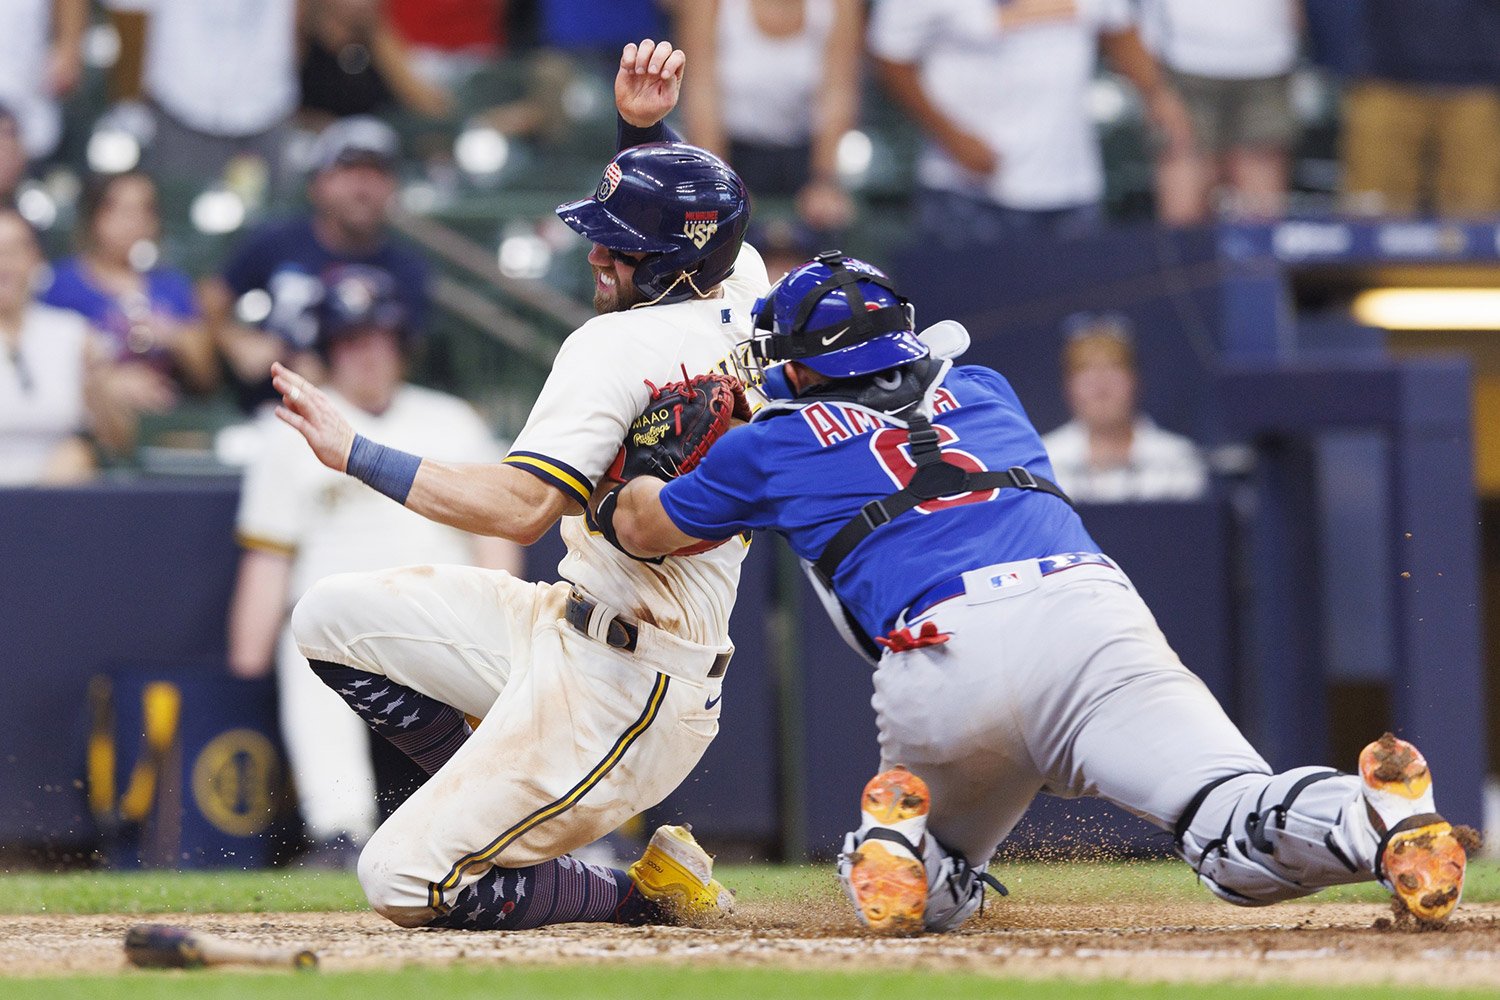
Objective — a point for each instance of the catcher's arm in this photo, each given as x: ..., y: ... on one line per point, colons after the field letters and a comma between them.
x: 669, y: 439
x: 641, y: 525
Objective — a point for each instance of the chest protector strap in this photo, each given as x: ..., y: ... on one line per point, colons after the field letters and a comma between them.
x: 934, y: 478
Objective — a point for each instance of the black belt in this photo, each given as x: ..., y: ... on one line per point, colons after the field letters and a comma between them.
x: 620, y: 632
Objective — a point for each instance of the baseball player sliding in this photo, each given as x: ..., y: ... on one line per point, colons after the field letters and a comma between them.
x: 1011, y: 655
x: 598, y: 695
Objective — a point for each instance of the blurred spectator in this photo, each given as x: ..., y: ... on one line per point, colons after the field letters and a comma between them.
x: 147, y: 313
x: 12, y: 158
x: 41, y: 59
x: 221, y: 76
x: 1110, y: 452
x: 563, y: 39
x: 603, y: 26
x: 44, y: 369
x: 784, y: 244
x: 1001, y: 92
x: 1422, y: 126
x: 449, y: 40
x: 274, y: 276
x: 299, y: 522
x: 776, y: 87
x: 1231, y: 61
x: 354, y: 63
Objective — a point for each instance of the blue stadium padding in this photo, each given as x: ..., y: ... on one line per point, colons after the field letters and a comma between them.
x: 1423, y: 408
x: 1175, y: 553
x: 221, y: 786
x: 90, y: 577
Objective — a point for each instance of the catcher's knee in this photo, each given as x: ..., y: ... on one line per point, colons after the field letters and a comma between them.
x: 397, y: 897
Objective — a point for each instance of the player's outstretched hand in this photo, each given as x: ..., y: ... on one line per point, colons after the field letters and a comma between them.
x: 312, y: 414
x: 649, y: 81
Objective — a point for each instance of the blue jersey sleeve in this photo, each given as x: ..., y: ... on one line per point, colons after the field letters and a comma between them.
x: 725, y: 494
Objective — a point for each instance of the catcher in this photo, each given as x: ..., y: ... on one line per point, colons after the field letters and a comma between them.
x: 598, y: 695
x: 1011, y: 655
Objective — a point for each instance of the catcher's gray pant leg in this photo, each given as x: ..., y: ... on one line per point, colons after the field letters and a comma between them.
x: 1258, y: 839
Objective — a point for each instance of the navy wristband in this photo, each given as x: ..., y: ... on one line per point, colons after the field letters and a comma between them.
x: 385, y: 470
x: 628, y: 135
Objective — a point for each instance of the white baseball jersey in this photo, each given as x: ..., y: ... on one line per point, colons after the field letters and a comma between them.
x: 41, y: 392
x: 597, y: 387
x: 292, y: 503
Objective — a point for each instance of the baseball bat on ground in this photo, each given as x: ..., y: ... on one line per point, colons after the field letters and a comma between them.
x: 162, y: 946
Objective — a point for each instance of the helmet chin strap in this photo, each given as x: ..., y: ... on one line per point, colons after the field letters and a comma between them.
x: 681, y: 277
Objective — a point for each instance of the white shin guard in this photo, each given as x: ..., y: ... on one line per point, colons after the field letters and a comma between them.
x: 1255, y: 839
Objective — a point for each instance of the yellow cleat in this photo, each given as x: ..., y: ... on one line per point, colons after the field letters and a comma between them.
x: 677, y: 875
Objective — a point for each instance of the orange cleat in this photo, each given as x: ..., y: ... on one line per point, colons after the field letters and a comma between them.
x: 885, y: 874
x: 1422, y: 857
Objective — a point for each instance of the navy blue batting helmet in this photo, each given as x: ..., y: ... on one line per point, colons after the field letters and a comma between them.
x: 839, y: 316
x: 680, y: 206
x: 359, y: 297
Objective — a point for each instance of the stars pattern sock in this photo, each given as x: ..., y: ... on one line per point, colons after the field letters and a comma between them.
x: 423, y: 728
x: 563, y: 890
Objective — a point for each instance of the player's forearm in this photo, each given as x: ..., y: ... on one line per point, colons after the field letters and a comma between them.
x: 697, y: 32
x: 256, y: 611
x: 1130, y: 59
x: 838, y: 101
x: 641, y: 523
x: 494, y: 500
x: 904, y: 83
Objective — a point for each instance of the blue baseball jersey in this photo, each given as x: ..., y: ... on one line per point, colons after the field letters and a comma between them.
x: 805, y: 474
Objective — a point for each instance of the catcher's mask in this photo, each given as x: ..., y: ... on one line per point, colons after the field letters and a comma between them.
x: 680, y: 206
x: 837, y: 315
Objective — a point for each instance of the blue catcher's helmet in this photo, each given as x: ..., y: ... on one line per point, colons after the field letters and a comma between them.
x: 359, y: 297
x: 679, y: 205
x: 838, y: 316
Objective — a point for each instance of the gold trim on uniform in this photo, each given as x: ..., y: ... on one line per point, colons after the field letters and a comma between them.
x: 550, y: 470
x: 552, y: 810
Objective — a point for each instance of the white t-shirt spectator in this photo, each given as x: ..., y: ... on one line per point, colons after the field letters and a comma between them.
x: 769, y: 85
x: 1225, y: 39
x: 1162, y: 466
x: 224, y: 67
x: 25, y: 44
x: 331, y: 523
x: 41, y: 392
x: 1022, y: 89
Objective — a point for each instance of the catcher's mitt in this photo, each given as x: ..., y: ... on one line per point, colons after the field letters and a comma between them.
x: 675, y: 430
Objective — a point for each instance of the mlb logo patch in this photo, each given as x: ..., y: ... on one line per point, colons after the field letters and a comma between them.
x: 999, y: 581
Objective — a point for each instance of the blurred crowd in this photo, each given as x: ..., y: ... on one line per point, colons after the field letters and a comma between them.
x: 283, y: 111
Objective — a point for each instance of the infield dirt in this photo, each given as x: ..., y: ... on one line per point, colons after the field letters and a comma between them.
x: 1203, y: 942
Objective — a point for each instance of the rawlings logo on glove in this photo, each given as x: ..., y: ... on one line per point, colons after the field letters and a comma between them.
x: 675, y: 431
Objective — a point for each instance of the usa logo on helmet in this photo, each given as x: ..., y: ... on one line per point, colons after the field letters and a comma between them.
x: 700, y: 227
x: 609, y: 183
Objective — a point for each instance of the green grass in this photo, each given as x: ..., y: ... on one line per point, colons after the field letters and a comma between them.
x: 293, y: 891
x: 657, y: 983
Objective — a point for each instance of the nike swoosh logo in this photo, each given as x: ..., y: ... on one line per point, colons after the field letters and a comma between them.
x: 710, y: 703
x: 836, y: 336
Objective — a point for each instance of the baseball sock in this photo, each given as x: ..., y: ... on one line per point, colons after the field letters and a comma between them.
x: 423, y: 728
x: 563, y: 890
